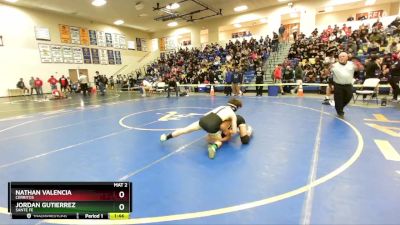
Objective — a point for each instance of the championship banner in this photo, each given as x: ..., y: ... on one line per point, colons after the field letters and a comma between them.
x: 86, y: 56
x: 161, y: 43
x: 115, y: 40
x: 131, y: 45
x: 78, y: 55
x: 75, y: 35
x: 45, y: 53
x: 68, y: 54
x: 118, y: 57
x: 65, y: 34
x: 101, y: 39
x: 84, y: 33
x: 122, y: 41
x: 95, y: 56
x: 111, y: 59
x: 103, y: 57
x: 109, y: 41
x: 93, y: 37
x: 138, y: 44
x: 56, y: 53
x: 144, y: 44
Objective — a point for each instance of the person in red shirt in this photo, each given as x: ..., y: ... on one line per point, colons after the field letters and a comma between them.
x: 38, y: 86
x: 63, y: 83
x: 53, y: 82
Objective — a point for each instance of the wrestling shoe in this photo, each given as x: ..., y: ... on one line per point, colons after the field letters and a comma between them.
x: 163, y: 137
x: 249, y: 130
x: 212, y: 149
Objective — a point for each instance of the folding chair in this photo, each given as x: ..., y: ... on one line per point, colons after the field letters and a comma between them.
x: 371, y: 86
x: 161, y: 86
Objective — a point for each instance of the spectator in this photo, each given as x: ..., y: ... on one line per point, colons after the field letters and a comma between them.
x: 278, y: 77
x: 21, y: 85
x: 53, y: 82
x: 63, y: 84
x: 83, y: 82
x: 32, y: 85
x: 395, y: 79
x: 38, y: 86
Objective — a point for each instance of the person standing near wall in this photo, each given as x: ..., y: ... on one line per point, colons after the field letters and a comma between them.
x: 63, y: 83
x: 83, y: 81
x: 395, y: 79
x: 38, y: 86
x: 343, y: 72
x: 32, y: 84
x: 259, y: 80
x: 53, y: 82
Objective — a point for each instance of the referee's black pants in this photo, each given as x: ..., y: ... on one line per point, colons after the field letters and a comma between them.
x: 394, y: 82
x: 342, y: 96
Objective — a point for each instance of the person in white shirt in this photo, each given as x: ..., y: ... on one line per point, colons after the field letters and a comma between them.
x: 83, y: 81
x: 146, y: 86
x: 343, y: 74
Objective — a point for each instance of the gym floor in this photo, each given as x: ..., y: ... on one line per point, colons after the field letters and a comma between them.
x: 303, y: 164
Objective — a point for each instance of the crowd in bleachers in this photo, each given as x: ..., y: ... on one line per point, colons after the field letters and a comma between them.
x: 211, y: 64
x: 374, y: 45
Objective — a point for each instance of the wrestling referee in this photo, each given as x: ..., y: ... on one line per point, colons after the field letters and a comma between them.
x: 343, y: 74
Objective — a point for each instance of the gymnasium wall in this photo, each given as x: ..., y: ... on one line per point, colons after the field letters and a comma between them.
x: 341, y: 16
x: 19, y: 57
x: 307, y: 12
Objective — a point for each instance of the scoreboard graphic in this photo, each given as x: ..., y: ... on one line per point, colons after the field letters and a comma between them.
x: 70, y: 200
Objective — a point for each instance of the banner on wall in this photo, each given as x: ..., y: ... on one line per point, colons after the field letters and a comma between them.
x: 84, y: 33
x: 144, y: 44
x: 93, y: 37
x: 111, y: 59
x: 68, y: 54
x: 109, y: 42
x: 78, y: 55
x: 86, y: 56
x: 95, y: 56
x: 101, y: 39
x: 131, y: 45
x: 75, y: 35
x: 161, y: 44
x: 65, y: 34
x: 118, y: 57
x: 115, y: 40
x: 103, y: 56
x: 45, y: 53
x: 122, y: 41
x: 56, y: 53
x: 138, y: 44
x: 42, y: 33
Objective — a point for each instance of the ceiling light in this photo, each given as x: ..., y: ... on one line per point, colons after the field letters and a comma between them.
x: 12, y: 1
x: 283, y: 0
x: 329, y: 9
x: 370, y: 2
x: 172, y: 24
x: 237, y: 25
x: 173, y: 6
x: 99, y: 2
x: 240, y: 8
x: 143, y: 15
x: 293, y: 15
x: 119, y: 22
x: 263, y: 20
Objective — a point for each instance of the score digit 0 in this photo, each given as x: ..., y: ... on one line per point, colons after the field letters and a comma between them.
x: 121, y: 207
x: 121, y: 194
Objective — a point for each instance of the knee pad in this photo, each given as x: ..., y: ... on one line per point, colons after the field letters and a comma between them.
x: 245, y: 139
